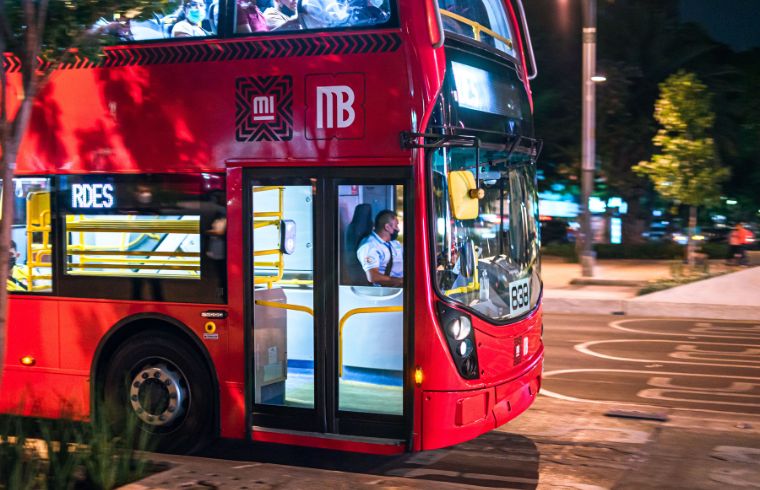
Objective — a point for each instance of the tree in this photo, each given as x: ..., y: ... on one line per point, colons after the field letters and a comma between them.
x: 686, y: 170
x: 38, y: 50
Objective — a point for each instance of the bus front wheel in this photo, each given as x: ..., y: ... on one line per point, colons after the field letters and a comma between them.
x: 159, y: 381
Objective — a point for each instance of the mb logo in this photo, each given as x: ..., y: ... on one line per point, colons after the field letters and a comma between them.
x: 335, y: 106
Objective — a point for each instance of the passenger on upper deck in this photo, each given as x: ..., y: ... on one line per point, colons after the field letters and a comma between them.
x: 367, y: 12
x: 280, y: 13
x: 189, y: 25
x: 249, y: 17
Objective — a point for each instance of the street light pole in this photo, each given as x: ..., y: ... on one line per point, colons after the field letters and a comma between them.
x: 588, y: 136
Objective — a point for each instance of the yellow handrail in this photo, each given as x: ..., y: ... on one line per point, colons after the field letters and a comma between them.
x: 261, y: 220
x: 131, y: 226
x: 130, y: 253
x: 473, y: 286
x: 357, y: 311
x: 285, y: 306
x: 477, y: 28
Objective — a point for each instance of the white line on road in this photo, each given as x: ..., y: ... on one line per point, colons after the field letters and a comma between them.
x: 584, y: 348
x: 559, y: 396
x: 618, y: 325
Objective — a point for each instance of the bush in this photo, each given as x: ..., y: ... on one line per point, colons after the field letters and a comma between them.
x: 564, y: 250
x: 651, y: 251
x: 715, y: 250
x: 70, y: 455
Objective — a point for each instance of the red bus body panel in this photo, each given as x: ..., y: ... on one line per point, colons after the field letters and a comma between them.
x: 171, y: 108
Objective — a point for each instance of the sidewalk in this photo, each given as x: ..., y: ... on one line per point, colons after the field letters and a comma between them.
x: 613, y: 290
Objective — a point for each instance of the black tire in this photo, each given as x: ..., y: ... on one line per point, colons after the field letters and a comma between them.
x: 162, y: 382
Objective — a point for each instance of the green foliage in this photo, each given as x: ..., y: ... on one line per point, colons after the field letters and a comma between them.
x: 75, y: 455
x: 714, y: 250
x: 651, y: 251
x: 680, y: 275
x: 686, y: 169
x: 19, y: 464
x: 61, y: 439
x: 564, y: 250
x: 113, y: 459
x: 69, y: 21
x: 644, y: 251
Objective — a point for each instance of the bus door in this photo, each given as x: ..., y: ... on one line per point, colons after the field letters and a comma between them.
x: 329, y: 337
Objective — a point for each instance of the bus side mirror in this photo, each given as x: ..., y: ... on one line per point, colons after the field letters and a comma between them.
x: 287, y: 236
x: 464, y: 194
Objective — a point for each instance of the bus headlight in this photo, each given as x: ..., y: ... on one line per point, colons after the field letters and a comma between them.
x: 460, y: 337
x: 460, y: 328
x: 465, y: 348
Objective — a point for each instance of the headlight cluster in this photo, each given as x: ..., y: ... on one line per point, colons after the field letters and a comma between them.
x: 461, y: 339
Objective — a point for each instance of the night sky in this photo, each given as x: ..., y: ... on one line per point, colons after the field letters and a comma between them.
x: 734, y: 22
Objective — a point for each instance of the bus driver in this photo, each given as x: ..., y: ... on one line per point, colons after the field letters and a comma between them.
x: 380, y: 253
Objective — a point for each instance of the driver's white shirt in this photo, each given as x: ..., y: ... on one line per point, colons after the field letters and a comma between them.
x: 373, y: 253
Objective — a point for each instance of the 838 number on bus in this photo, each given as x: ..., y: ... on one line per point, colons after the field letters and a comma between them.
x: 519, y: 296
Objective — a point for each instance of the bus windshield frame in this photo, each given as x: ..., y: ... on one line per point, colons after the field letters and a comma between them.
x: 485, y: 22
x: 489, y: 265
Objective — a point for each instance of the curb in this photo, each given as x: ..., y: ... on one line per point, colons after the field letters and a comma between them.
x: 589, y: 281
x: 632, y: 307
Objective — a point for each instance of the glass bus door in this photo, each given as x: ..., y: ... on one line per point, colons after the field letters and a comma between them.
x: 327, y: 276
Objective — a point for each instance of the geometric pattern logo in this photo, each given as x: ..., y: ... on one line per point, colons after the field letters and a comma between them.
x: 264, y: 108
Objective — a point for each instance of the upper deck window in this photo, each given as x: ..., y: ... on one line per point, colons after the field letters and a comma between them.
x: 161, y: 20
x: 485, y: 21
x: 285, y: 15
x: 200, y: 18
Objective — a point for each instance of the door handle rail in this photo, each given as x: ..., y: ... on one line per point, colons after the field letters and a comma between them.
x: 358, y: 311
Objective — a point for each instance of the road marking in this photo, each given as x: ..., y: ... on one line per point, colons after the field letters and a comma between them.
x: 692, y: 352
x: 702, y: 327
x: 667, y: 383
x: 584, y: 349
x: 559, y: 396
x: 658, y: 394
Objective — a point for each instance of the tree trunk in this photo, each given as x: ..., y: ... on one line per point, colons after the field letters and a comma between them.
x: 690, y: 245
x: 5, y: 240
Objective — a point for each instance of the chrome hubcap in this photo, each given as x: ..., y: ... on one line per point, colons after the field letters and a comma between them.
x: 157, y: 395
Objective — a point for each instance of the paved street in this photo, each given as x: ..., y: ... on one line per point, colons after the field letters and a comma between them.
x: 627, y: 403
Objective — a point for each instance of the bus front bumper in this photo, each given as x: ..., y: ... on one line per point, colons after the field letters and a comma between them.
x: 451, y: 417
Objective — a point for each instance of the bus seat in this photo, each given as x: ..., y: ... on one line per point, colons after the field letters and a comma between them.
x: 359, y: 227
x: 38, y: 209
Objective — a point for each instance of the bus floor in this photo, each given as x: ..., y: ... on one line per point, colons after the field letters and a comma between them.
x: 355, y: 393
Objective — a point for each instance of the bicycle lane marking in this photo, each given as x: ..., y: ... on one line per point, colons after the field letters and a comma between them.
x: 658, y: 379
x: 584, y: 348
x: 701, y: 328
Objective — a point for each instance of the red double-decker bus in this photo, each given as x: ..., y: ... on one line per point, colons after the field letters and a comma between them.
x: 312, y: 222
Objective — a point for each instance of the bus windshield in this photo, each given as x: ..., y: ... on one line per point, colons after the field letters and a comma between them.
x: 485, y: 21
x: 491, y: 263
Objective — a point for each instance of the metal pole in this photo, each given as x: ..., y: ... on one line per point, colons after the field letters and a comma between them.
x: 588, y: 137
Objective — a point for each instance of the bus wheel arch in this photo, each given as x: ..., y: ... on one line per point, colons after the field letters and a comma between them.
x: 165, y: 353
